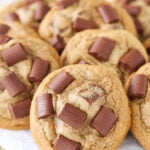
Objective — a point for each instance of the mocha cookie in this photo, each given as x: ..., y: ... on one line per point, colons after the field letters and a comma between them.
x: 138, y: 90
x: 80, y: 107
x: 118, y: 48
x: 29, y: 12
x: 140, y: 11
x: 69, y: 18
x: 23, y: 65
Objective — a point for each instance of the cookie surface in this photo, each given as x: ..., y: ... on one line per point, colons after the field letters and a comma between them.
x: 82, y: 15
x: 118, y: 48
x: 137, y: 88
x: 69, y: 108
x: 23, y: 64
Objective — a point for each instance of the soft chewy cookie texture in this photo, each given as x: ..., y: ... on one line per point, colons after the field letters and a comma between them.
x: 140, y: 12
x: 81, y: 107
x: 117, y: 48
x: 137, y: 88
x: 24, y: 62
x: 29, y: 12
x: 71, y: 17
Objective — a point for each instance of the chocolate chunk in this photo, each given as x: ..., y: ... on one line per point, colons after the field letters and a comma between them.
x: 83, y: 62
x: 148, y: 2
x: 131, y: 61
x: 82, y: 24
x: 61, y: 82
x: 44, y: 106
x: 20, y: 109
x: 138, y: 26
x: 4, y: 38
x: 58, y: 43
x: 65, y: 3
x: 14, y: 54
x: 64, y: 143
x: 4, y: 28
x: 72, y: 116
x: 12, y: 84
x: 138, y: 86
x: 39, y: 70
x: 148, y: 50
x: 40, y: 10
x: 90, y: 94
x: 102, y: 48
x: 12, y: 17
x: 108, y: 14
x: 28, y: 2
x: 1, y: 87
x: 125, y: 1
x: 104, y: 121
x: 132, y: 10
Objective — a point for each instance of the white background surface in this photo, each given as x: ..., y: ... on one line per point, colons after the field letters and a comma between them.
x: 22, y: 140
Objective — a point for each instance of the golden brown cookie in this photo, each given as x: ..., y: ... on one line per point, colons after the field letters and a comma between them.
x: 140, y: 11
x: 80, y: 107
x: 138, y: 91
x: 29, y: 12
x: 118, y: 48
x: 23, y: 65
x: 62, y: 22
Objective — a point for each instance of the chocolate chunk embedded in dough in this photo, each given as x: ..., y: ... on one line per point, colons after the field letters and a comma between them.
x: 4, y: 38
x: 4, y: 28
x: 12, y: 17
x: 65, y: 3
x: 132, y: 10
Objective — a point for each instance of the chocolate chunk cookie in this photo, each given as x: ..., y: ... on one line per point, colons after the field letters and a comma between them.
x: 71, y: 17
x: 80, y: 107
x: 137, y: 88
x: 23, y: 65
x: 118, y: 48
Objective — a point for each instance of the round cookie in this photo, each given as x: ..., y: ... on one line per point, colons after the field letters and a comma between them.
x: 140, y: 11
x: 146, y: 44
x: 23, y: 64
x: 138, y: 90
x: 80, y: 107
x: 62, y: 22
x: 29, y: 12
x: 118, y: 48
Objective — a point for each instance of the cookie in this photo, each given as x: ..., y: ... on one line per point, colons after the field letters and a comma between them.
x: 29, y: 12
x: 10, y: 30
x: 140, y: 11
x: 80, y: 107
x: 24, y: 62
x: 62, y: 22
x: 146, y: 43
x: 137, y: 88
x: 118, y: 48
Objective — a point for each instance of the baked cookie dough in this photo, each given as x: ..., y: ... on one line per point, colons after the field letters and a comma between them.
x: 23, y: 65
x: 138, y: 90
x: 118, y: 48
x: 140, y: 11
x: 29, y: 12
x: 80, y: 107
x: 63, y: 21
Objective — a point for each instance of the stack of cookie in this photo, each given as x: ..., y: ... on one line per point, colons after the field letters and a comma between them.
x: 102, y: 88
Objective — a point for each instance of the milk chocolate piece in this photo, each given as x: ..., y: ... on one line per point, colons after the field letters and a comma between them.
x: 41, y: 10
x: 148, y: 2
x: 82, y: 24
x: 39, y: 70
x: 61, y: 82
x: 131, y: 61
x: 12, y: 84
x: 14, y: 54
x: 44, y: 106
x: 4, y: 28
x: 64, y: 143
x: 148, y: 50
x: 138, y: 86
x: 65, y: 3
x: 4, y: 38
x: 20, y: 109
x: 102, y: 48
x: 12, y: 17
x: 104, y: 121
x: 138, y: 25
x: 58, y: 43
x: 72, y: 116
x: 108, y: 14
x: 132, y: 10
